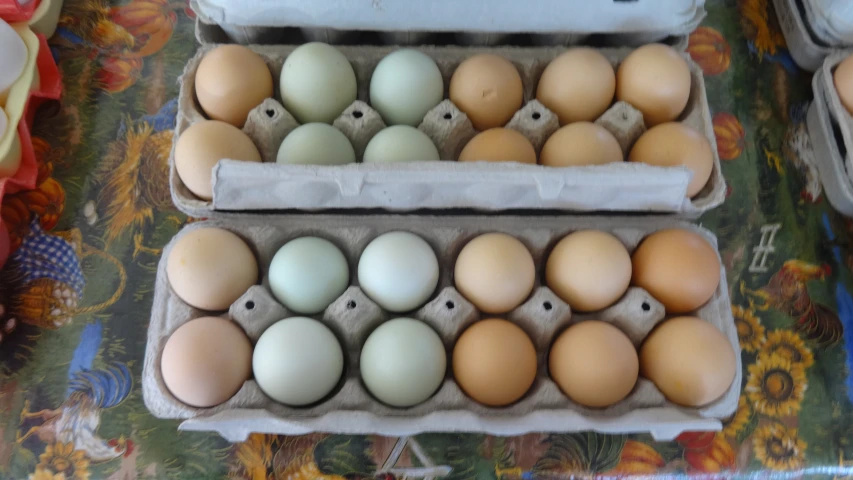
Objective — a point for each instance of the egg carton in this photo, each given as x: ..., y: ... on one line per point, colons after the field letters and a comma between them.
x: 350, y: 409
x: 831, y: 20
x: 806, y: 48
x: 395, y: 22
x: 244, y: 186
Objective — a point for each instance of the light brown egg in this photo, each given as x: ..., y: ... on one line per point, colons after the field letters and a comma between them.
x: 488, y: 89
x: 499, y: 145
x: 590, y: 270
x: 578, y: 85
x: 655, y: 79
x: 204, y: 144
x: 494, y: 362
x: 677, y: 267
x: 594, y: 364
x: 580, y: 143
x: 230, y: 81
x: 495, y: 272
x: 206, y: 361
x: 675, y: 144
x: 689, y: 360
x: 210, y: 268
x: 843, y: 79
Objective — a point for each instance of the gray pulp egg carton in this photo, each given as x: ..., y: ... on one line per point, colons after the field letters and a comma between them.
x: 806, y: 48
x: 350, y: 409
x: 441, y: 185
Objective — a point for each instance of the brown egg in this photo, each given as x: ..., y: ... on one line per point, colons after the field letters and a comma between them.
x: 488, y: 89
x: 202, y: 146
x: 580, y: 143
x: 675, y: 144
x: 843, y: 79
x: 590, y: 270
x: 689, y: 360
x: 578, y: 85
x: 210, y: 268
x: 230, y: 81
x: 206, y: 361
x: 594, y: 364
x: 677, y: 267
x: 495, y: 272
x: 655, y: 79
x: 494, y: 362
x: 499, y: 145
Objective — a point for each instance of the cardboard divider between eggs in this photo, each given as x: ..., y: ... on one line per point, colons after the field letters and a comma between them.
x: 624, y: 186
x: 353, y: 316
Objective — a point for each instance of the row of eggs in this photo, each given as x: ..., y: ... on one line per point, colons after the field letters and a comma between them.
x: 210, y: 268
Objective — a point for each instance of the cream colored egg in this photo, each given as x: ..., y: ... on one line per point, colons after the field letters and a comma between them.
x: 578, y: 85
x: 495, y: 272
x: 655, y: 79
x: 230, y: 81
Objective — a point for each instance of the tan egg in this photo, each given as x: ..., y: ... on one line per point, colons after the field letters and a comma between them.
x: 594, y: 364
x: 578, y: 85
x: 655, y: 79
x: 690, y: 361
x: 499, y: 145
x: 580, y: 143
x: 494, y: 362
x: 590, y: 270
x: 495, y: 272
x: 204, y: 144
x: 210, y: 268
x: 675, y: 144
x: 206, y: 361
x: 843, y: 79
x: 677, y: 267
x: 230, y: 81
x: 488, y: 89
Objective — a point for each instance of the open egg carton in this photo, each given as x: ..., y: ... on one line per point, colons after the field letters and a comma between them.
x: 441, y: 185
x: 831, y: 130
x: 813, y: 28
x: 351, y: 409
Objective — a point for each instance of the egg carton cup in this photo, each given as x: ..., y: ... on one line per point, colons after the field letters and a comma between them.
x: 353, y: 316
x: 251, y: 186
x: 806, y: 48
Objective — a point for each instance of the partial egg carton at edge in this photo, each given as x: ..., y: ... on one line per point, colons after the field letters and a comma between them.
x: 248, y: 186
x: 351, y: 409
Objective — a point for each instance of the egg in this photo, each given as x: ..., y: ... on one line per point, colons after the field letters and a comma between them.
x: 675, y: 144
x: 307, y: 274
x: 418, y: 366
x: 210, y: 268
x: 655, y: 79
x: 677, y: 267
x: 230, y: 81
x: 594, y: 364
x: 400, y: 143
x: 13, y: 57
x: 317, y: 83
x: 498, y: 145
x: 201, y: 146
x: 578, y: 85
x: 495, y: 272
x: 589, y: 269
x: 316, y: 144
x: 398, y: 271
x: 488, y: 89
x: 578, y: 144
x: 843, y: 79
x: 494, y: 362
x: 405, y: 85
x: 206, y: 361
x: 297, y: 361
x: 689, y: 360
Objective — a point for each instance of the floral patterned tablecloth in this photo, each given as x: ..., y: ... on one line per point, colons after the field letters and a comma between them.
x: 89, y: 237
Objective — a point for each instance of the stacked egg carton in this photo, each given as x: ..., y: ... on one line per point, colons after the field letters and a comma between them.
x: 351, y: 409
x: 809, y: 37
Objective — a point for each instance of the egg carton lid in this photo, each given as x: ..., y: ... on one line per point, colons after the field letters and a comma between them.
x: 831, y: 20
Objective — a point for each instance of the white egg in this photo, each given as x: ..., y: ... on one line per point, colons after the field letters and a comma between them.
x: 316, y: 144
x: 297, y: 361
x: 307, y: 274
x: 400, y: 143
x: 317, y: 83
x: 13, y: 57
x: 405, y: 85
x: 398, y: 271
x: 418, y: 366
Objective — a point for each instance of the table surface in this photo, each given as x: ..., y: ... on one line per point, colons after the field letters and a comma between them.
x: 92, y: 232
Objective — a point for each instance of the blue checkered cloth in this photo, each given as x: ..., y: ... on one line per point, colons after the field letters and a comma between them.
x: 42, y: 255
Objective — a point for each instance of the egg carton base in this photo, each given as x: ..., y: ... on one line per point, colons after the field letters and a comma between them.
x: 806, y: 50
x: 834, y: 176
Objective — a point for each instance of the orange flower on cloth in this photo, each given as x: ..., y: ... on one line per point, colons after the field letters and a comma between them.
x: 637, y: 458
x: 60, y: 461
x: 710, y: 50
x: 731, y: 138
x: 719, y: 456
x: 150, y: 22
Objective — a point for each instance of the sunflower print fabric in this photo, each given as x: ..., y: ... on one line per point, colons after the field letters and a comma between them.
x: 88, y: 238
